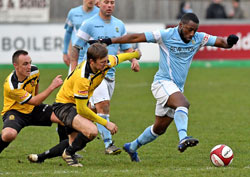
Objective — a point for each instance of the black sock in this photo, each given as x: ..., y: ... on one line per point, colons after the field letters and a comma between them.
x: 62, y: 133
x: 55, y: 151
x: 3, y: 144
x: 78, y: 144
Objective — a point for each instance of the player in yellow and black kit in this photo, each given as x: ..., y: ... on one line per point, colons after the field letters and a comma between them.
x: 72, y: 99
x: 22, y: 103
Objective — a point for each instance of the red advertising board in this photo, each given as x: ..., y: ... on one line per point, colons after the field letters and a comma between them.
x: 241, y: 51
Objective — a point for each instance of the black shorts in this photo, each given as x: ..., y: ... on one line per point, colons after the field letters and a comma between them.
x: 40, y: 116
x: 65, y: 112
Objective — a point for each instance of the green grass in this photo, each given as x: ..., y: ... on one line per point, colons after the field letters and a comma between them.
x: 219, y: 114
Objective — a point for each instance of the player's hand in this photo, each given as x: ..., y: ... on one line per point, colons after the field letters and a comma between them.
x: 56, y: 82
x: 106, y: 41
x: 232, y: 39
x: 135, y: 66
x: 93, y: 41
x: 112, y: 127
x: 66, y: 59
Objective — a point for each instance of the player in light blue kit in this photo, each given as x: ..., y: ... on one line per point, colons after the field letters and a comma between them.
x: 103, y: 25
x: 73, y: 22
x: 177, y: 47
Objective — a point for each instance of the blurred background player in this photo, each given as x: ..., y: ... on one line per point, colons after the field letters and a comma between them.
x: 73, y: 97
x: 103, y: 25
x: 22, y: 102
x: 177, y: 47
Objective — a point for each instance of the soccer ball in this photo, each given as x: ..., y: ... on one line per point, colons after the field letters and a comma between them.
x: 221, y: 155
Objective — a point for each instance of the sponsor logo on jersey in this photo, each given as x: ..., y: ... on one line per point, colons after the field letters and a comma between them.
x: 82, y: 92
x: 25, y: 95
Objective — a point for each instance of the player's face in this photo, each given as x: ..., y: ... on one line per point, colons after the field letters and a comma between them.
x: 100, y: 64
x: 188, y: 30
x: 23, y: 66
x: 89, y: 3
x: 107, y: 7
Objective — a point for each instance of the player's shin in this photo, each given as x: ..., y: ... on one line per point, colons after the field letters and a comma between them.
x: 146, y: 137
x: 55, y: 151
x: 78, y: 144
x: 181, y: 121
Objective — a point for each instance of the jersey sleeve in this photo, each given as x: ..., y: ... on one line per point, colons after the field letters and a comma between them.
x: 207, y: 39
x: 69, y: 23
x: 20, y: 95
x: 82, y: 36
x: 81, y: 88
x: 154, y: 36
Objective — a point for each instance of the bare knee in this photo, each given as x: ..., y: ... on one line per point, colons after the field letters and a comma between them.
x: 91, y: 133
x: 9, y: 134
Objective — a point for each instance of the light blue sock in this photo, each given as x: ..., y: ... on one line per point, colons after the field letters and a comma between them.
x: 146, y: 137
x: 105, y: 133
x: 181, y: 121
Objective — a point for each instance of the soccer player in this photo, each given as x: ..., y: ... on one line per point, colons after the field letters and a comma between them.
x: 177, y: 46
x: 103, y: 25
x: 73, y: 22
x: 22, y: 102
x: 72, y: 99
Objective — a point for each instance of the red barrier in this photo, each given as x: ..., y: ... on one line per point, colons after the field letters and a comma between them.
x: 241, y: 51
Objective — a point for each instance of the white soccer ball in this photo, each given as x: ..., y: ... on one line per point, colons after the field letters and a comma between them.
x: 221, y: 155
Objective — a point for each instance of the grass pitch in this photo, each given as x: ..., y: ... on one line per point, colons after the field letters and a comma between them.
x: 219, y: 114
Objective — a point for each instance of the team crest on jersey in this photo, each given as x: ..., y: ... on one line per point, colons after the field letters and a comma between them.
x: 117, y: 29
x: 193, y: 42
x: 11, y: 117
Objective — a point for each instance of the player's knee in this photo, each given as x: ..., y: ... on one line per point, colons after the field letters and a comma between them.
x: 9, y: 134
x: 92, y: 132
x: 159, y: 130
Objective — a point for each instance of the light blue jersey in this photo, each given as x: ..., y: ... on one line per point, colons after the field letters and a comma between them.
x: 97, y: 28
x: 175, y: 55
x: 73, y: 22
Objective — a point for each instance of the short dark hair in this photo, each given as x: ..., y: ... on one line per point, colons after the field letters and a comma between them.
x: 97, y: 50
x: 189, y: 16
x: 17, y: 54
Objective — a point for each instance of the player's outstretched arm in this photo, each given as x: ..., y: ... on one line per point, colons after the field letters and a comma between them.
x: 226, y: 43
x: 129, y: 38
x: 128, y: 56
x: 39, y: 98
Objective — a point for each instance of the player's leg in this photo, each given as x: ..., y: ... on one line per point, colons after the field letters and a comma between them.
x: 13, y: 122
x: 164, y: 117
x: 101, y: 99
x: 88, y: 131
x: 181, y: 105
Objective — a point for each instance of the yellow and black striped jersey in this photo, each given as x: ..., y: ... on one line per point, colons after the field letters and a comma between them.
x: 79, y: 86
x: 82, y: 82
x: 17, y: 94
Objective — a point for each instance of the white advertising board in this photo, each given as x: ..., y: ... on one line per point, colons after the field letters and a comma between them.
x: 24, y: 10
x: 44, y: 42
